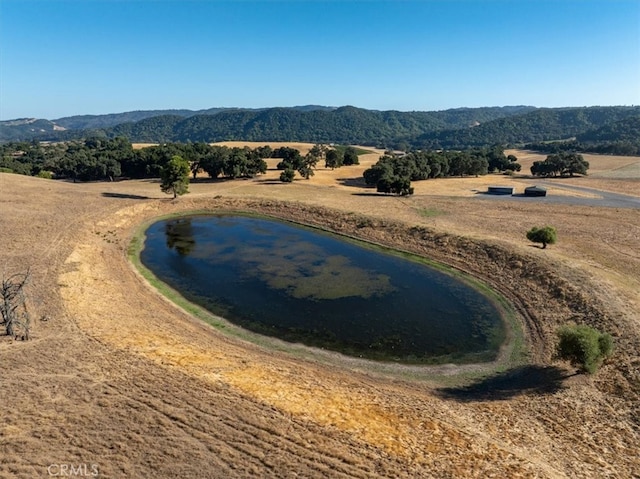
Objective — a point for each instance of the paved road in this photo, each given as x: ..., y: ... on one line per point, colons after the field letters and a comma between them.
x: 607, y: 199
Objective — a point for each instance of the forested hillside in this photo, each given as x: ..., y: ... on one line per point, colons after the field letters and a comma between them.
x: 306, y: 123
x: 342, y: 125
x: 625, y: 130
x: 600, y: 129
x: 84, y: 122
x: 543, y: 124
x: 619, y: 138
x: 27, y: 129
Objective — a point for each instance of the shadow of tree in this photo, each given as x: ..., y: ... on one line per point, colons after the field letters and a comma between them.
x: 206, y: 179
x: 270, y: 181
x: 489, y: 193
x: 379, y: 195
x: 358, y: 182
x: 108, y: 194
x: 531, y: 379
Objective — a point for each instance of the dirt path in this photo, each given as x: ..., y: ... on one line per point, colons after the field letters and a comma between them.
x: 120, y: 378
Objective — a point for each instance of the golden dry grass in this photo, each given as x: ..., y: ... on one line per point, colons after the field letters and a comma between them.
x: 121, y: 378
x: 139, y: 146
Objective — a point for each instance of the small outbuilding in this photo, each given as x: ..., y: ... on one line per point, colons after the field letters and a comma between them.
x: 535, y: 191
x: 500, y: 190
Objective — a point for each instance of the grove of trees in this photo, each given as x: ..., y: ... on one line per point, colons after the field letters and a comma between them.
x: 561, y: 164
x: 101, y: 159
x: 230, y: 162
x: 292, y: 161
x: 92, y: 159
x: 393, y: 174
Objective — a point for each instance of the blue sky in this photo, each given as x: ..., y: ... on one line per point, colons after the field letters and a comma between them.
x: 62, y: 58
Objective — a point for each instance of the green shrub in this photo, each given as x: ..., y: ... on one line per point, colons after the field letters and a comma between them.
x: 584, y: 347
x: 545, y: 235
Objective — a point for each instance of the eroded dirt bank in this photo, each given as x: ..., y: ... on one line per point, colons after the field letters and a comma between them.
x: 121, y: 378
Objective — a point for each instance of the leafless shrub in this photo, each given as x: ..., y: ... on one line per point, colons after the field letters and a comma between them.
x: 13, y: 305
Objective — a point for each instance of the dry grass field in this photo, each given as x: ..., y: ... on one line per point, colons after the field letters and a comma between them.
x: 120, y: 378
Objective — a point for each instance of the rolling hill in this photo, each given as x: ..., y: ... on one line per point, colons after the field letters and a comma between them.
x: 452, y: 129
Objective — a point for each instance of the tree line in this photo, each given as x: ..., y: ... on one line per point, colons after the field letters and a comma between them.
x: 92, y: 159
x: 104, y: 159
x: 293, y: 161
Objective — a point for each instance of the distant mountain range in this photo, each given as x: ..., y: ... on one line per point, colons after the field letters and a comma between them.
x: 454, y: 128
x: 83, y: 122
x: 29, y: 128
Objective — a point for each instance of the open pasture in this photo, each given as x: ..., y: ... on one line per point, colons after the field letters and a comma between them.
x: 120, y: 377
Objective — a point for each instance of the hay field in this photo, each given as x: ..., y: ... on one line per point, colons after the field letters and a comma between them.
x: 120, y: 378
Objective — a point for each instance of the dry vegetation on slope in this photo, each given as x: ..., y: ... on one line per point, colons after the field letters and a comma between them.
x: 121, y: 378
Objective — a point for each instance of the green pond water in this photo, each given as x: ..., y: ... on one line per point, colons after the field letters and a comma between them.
x: 302, y: 285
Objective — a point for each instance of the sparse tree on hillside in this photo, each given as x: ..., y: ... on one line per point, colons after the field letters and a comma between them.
x: 307, y: 165
x: 318, y: 152
x: 175, y: 176
x: 584, y: 347
x: 545, y: 235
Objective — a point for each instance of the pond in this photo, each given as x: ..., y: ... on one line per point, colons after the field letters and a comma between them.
x: 306, y: 286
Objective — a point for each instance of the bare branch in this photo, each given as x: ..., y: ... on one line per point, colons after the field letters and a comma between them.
x: 13, y: 305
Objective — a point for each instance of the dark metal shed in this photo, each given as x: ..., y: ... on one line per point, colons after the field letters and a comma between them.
x: 535, y: 191
x: 500, y: 190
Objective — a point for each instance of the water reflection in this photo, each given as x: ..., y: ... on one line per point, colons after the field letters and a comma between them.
x: 179, y: 234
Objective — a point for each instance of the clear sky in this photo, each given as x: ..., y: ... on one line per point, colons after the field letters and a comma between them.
x: 62, y: 58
